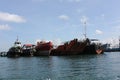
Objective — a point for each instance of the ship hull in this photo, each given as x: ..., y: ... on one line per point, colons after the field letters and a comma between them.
x: 74, y: 47
x: 64, y: 53
x: 13, y: 54
x: 43, y: 48
x: 42, y: 53
x: 27, y: 52
x: 91, y: 49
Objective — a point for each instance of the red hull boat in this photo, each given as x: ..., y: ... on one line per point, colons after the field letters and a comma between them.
x: 75, y: 47
x: 43, y: 48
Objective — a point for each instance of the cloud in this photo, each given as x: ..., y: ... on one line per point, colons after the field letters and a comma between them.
x: 63, y: 17
x: 98, y: 32
x: 11, y: 17
x: 5, y: 27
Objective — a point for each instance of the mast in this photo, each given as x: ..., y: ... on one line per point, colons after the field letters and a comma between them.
x: 17, y: 42
x: 85, y: 34
x: 17, y: 39
x: 84, y: 22
x: 119, y: 41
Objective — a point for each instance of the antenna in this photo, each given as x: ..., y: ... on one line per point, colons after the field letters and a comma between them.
x: 17, y: 39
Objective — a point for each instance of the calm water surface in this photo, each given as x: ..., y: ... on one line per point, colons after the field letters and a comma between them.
x: 82, y: 67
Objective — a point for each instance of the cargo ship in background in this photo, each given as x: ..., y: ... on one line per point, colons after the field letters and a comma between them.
x: 113, y: 46
x: 43, y: 48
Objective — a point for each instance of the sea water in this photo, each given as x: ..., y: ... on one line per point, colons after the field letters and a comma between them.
x: 80, y: 67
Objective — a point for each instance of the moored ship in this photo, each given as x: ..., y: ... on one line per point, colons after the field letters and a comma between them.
x: 76, y: 47
x: 73, y: 47
x: 28, y: 50
x: 112, y: 46
x: 16, y: 50
x: 43, y: 48
x: 94, y: 47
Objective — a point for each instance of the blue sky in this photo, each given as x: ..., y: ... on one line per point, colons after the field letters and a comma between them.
x: 60, y: 20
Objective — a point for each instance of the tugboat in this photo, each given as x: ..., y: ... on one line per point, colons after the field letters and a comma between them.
x: 43, y: 48
x: 28, y: 50
x: 16, y: 50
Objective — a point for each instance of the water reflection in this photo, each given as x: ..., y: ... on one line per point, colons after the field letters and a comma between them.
x: 82, y: 67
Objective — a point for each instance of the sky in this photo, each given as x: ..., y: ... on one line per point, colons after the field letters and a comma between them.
x: 57, y: 20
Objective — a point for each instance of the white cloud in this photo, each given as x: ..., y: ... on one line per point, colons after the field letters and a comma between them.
x: 63, y: 17
x: 99, y: 32
x: 11, y: 17
x: 5, y: 27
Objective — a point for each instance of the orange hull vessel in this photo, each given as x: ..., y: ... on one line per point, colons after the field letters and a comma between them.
x: 43, y: 48
x: 75, y: 47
